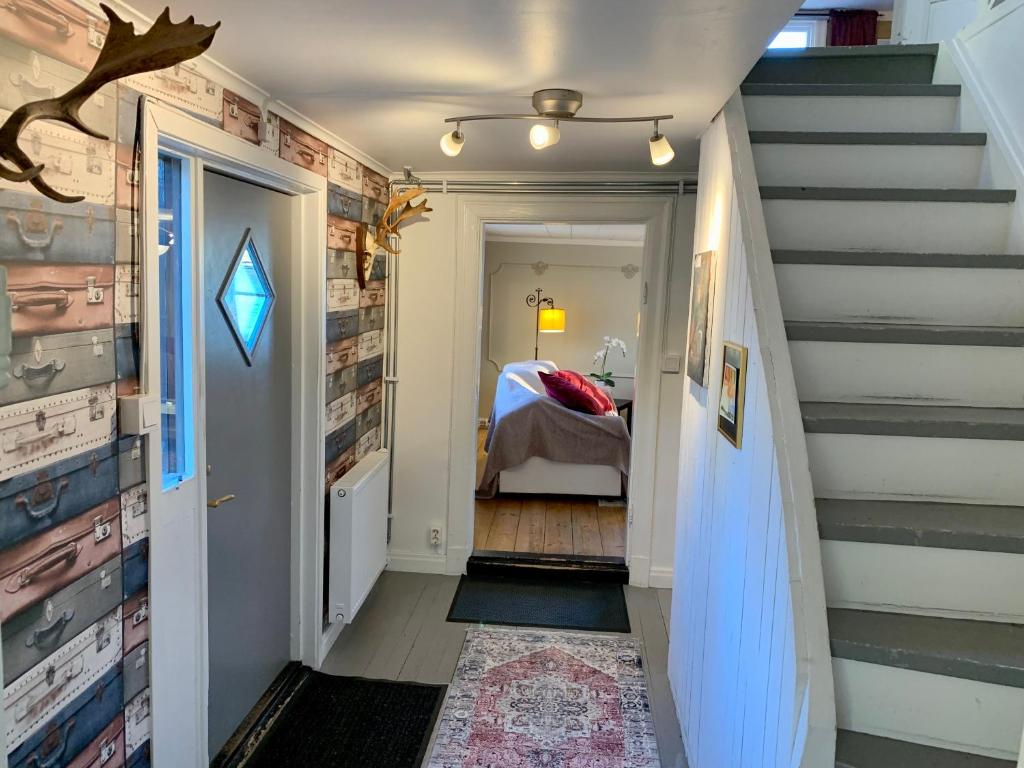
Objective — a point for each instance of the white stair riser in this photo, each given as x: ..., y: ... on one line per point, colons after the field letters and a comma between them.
x: 860, y: 165
x: 947, y: 712
x: 955, y: 583
x: 850, y: 113
x: 919, y: 295
x: 909, y: 373
x: 839, y: 225
x: 916, y: 468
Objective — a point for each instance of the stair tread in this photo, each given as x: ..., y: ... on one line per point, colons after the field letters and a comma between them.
x: 874, y: 138
x: 889, y: 194
x: 863, y: 750
x: 844, y: 51
x: 849, y: 89
x: 900, y: 259
x: 905, y: 333
x: 976, y: 527
x: 938, y: 421
x: 986, y: 651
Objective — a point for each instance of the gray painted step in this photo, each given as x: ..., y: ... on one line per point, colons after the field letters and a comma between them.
x: 898, y: 333
x: 862, y: 750
x: 914, y: 420
x: 867, y: 64
x: 975, y: 527
x: 900, y: 90
x: 874, y: 138
x: 986, y: 651
x: 901, y: 259
x: 890, y: 195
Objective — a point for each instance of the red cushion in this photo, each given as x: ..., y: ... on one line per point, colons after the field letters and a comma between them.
x: 565, y: 387
x: 588, y: 384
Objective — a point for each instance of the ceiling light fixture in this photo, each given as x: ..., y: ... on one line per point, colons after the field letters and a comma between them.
x: 559, y: 104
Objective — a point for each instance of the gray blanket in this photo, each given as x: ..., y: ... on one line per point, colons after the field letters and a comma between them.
x: 524, y: 424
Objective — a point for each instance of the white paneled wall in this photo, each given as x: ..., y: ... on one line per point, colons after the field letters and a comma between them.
x: 733, y: 653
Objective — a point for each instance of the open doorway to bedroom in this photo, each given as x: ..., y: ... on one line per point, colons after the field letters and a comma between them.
x: 558, y: 350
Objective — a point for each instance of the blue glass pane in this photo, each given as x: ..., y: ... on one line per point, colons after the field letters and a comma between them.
x: 247, y: 297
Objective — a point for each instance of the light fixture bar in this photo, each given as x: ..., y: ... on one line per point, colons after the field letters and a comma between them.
x: 645, y: 119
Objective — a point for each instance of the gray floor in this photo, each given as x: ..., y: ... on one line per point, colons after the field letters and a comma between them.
x: 401, y: 634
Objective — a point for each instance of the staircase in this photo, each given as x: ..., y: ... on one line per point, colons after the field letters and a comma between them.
x: 905, y: 317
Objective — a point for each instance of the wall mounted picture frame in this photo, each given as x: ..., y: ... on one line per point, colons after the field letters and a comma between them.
x: 702, y: 290
x: 734, y: 388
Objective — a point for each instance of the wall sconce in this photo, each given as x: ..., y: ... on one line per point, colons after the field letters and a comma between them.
x: 550, y: 319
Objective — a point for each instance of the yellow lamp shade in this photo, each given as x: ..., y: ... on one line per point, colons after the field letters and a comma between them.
x: 551, y: 321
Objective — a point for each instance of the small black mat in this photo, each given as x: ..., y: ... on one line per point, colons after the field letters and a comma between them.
x: 553, y: 604
x: 351, y: 722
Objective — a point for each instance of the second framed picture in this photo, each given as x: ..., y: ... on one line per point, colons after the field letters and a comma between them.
x: 734, y: 386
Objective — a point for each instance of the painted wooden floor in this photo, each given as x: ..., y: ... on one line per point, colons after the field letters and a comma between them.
x: 401, y: 634
x: 558, y: 526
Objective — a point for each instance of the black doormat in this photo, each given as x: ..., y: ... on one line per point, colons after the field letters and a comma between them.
x: 534, y: 602
x: 351, y: 722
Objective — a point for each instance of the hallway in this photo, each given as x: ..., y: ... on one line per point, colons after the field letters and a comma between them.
x: 401, y: 634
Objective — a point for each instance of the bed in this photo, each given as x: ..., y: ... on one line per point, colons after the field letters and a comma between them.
x: 536, y: 445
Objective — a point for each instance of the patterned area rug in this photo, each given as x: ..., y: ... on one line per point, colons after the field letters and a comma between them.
x: 546, y: 699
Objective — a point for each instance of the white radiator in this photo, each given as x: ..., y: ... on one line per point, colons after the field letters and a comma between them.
x: 359, y: 535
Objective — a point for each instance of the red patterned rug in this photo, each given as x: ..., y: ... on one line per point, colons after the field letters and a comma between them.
x: 546, y: 699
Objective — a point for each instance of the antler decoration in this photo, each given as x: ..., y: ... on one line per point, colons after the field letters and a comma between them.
x: 124, y: 53
x: 368, y: 244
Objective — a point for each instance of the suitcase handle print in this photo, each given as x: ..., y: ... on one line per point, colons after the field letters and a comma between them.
x: 66, y: 426
x: 60, y: 300
x: 32, y: 373
x: 48, y: 637
x: 43, y: 11
x: 30, y: 91
x: 35, y: 224
x: 46, y: 509
x: 56, y: 753
x: 65, y: 555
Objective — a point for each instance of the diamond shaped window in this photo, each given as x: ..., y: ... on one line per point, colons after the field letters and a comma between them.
x: 246, y: 297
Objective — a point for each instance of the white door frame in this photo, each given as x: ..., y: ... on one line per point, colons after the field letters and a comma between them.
x: 179, y: 673
x: 657, y: 214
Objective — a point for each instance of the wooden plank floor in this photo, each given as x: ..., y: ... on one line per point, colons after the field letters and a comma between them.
x: 553, y: 525
x: 401, y: 634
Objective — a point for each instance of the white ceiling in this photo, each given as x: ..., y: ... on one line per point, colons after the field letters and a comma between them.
x: 572, y: 234
x: 384, y: 73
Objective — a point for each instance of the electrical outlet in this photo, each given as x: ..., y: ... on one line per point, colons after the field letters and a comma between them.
x: 435, y: 536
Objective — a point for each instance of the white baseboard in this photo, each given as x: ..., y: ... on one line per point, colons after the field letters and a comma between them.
x: 661, y: 577
x: 416, y: 562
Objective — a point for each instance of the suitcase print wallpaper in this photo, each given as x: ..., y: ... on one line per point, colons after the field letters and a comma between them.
x: 74, y: 517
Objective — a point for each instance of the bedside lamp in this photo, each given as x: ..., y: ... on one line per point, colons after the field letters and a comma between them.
x: 550, y: 319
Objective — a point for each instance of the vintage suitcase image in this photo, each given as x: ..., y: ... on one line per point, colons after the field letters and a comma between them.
x: 343, y: 203
x: 242, y: 118
x: 183, y: 86
x: 341, y: 264
x: 134, y: 515
x: 339, y: 441
x: 39, y: 229
x: 373, y: 211
x: 76, y: 164
x: 58, y: 28
x: 140, y: 758
x: 375, y: 186
x: 42, y: 498
x: 135, y: 568
x: 342, y: 294
x: 340, y: 412
x: 39, y: 694
x: 33, y: 76
x: 342, y: 354
x: 369, y: 371
x: 126, y: 294
x: 106, y: 750
x: 344, y: 171
x: 60, y: 298
x: 368, y: 419
x: 340, y: 383
x: 341, y: 233
x: 126, y: 181
x: 49, y: 365
x: 379, y: 270
x: 304, y: 150
x: 40, y: 432
x: 371, y: 344
x: 124, y: 229
x: 368, y: 443
x: 342, y: 325
x: 135, y: 613
x: 271, y: 140
x: 35, y: 633
x: 126, y: 353
x: 373, y: 294
x: 127, y: 114
x: 40, y: 566
x: 336, y: 469
x: 371, y: 319
x: 131, y: 462
x: 369, y: 395
x: 75, y: 726
x: 137, y: 724
x: 136, y: 672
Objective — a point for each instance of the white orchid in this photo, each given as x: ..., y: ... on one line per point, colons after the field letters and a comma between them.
x: 601, y: 357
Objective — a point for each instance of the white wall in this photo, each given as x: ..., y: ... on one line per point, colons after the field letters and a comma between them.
x: 931, y: 21
x: 586, y: 280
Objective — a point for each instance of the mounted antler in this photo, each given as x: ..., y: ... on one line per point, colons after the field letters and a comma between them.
x: 367, y: 243
x: 123, y: 54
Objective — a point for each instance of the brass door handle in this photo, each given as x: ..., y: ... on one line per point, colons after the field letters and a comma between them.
x: 217, y: 502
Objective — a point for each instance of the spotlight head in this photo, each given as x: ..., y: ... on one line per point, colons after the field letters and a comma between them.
x: 451, y: 143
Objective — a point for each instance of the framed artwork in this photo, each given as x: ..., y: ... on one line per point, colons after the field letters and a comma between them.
x: 734, y: 386
x: 698, y: 335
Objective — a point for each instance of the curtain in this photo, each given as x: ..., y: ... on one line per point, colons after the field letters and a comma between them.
x: 853, y: 28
